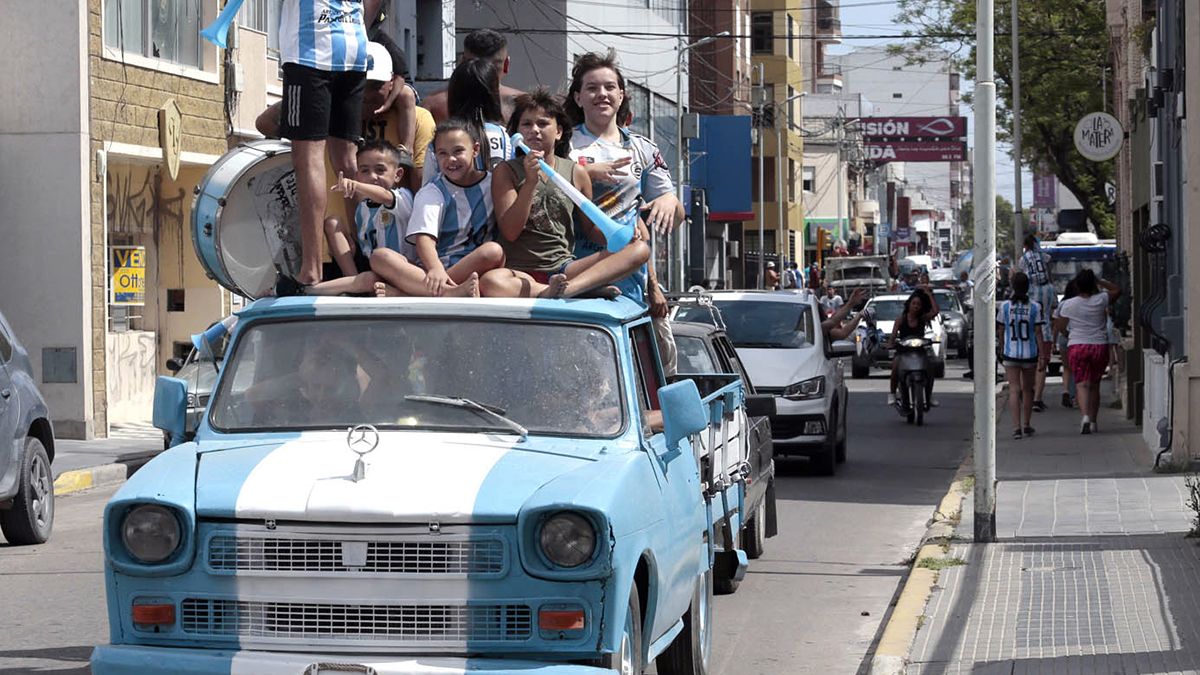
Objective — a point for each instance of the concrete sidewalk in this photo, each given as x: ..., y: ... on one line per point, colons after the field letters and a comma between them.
x: 1092, y: 573
x: 80, y: 465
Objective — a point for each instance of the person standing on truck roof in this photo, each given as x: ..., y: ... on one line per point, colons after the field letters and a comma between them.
x: 1033, y: 263
x: 323, y: 52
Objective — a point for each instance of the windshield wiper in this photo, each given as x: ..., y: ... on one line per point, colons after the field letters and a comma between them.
x: 459, y: 402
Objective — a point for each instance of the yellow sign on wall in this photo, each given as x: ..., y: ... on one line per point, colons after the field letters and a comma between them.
x: 127, y: 285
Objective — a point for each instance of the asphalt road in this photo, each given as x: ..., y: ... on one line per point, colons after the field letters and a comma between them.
x: 814, y: 603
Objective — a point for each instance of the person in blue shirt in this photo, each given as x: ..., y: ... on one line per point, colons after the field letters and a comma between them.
x: 1019, y: 321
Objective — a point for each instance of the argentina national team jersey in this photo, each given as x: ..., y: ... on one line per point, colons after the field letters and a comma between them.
x: 323, y: 34
x: 458, y: 217
x: 1033, y: 264
x: 1019, y: 322
x: 379, y: 226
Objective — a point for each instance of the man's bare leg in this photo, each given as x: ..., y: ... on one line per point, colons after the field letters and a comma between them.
x: 341, y: 245
x: 308, y: 160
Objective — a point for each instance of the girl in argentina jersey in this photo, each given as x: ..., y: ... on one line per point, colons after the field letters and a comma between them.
x: 1019, y: 321
x: 627, y: 170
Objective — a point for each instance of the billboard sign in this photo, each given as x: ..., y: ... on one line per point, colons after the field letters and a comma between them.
x: 916, y: 151
x: 1045, y: 191
x: 1098, y: 136
x: 128, y: 283
x: 913, y: 127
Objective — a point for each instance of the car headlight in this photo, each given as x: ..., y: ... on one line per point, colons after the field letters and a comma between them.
x: 913, y: 342
x: 954, y: 324
x: 192, y: 401
x: 150, y: 533
x: 808, y: 389
x: 568, y: 539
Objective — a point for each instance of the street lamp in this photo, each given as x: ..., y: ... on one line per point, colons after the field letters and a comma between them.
x: 679, y: 151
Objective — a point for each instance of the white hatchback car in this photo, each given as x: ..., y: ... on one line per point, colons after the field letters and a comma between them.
x: 779, y: 339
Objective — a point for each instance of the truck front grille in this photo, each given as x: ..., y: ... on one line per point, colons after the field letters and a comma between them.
x: 400, y: 625
x: 245, y: 552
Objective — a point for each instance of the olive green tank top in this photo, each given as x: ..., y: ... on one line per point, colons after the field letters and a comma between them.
x: 548, y: 241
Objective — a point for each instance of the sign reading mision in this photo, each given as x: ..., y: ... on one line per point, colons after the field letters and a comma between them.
x: 914, y: 139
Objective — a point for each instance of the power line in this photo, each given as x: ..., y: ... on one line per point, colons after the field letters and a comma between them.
x: 512, y: 30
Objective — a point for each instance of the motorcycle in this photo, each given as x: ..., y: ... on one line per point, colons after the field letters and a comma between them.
x: 916, y: 382
x: 867, y: 338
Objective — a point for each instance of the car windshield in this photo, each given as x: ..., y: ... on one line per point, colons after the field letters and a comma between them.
x: 887, y: 310
x: 696, y: 314
x: 863, y: 272
x: 337, y: 373
x: 767, y: 325
x: 947, y: 300
x: 694, y: 358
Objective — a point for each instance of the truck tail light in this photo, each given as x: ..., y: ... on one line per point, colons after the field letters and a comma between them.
x: 153, y: 614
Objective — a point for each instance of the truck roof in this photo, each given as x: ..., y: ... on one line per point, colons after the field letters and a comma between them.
x: 618, y: 311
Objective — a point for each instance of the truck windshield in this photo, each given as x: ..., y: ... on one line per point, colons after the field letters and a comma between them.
x: 336, y: 373
x: 767, y: 325
x: 858, y: 273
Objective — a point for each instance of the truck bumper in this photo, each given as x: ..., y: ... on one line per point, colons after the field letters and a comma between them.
x: 138, y: 660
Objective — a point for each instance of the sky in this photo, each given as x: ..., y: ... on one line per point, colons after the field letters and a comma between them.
x: 876, y: 17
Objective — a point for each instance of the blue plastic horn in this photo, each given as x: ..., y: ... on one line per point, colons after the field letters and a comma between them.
x: 219, y: 29
x: 618, y: 236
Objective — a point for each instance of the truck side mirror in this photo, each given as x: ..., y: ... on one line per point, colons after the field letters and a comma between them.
x: 683, y: 412
x: 170, y: 407
x: 174, y: 365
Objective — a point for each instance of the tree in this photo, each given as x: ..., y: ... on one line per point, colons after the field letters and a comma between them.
x: 1004, y: 226
x: 1064, y: 50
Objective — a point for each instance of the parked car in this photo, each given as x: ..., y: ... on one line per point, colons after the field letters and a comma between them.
x: 956, y: 319
x: 778, y: 339
x: 887, y: 309
x: 704, y: 350
x: 26, y: 447
x: 419, y: 485
x: 200, y: 372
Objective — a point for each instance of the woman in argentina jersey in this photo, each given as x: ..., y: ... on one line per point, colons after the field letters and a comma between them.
x: 1019, y: 320
x: 627, y: 170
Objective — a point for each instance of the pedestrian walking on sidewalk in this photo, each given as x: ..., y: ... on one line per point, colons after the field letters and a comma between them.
x: 1019, y: 320
x: 1086, y: 317
x: 1034, y: 263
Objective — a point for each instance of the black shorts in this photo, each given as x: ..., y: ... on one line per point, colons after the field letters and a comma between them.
x: 330, y: 270
x: 318, y: 104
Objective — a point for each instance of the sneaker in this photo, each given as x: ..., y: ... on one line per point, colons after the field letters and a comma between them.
x: 1038, y: 406
x: 1029, y: 431
x: 1016, y: 434
x: 1066, y: 400
x: 1085, y: 426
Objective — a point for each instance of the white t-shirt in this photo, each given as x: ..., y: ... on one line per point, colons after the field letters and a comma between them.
x: 1087, y: 319
x: 459, y: 217
x: 831, y: 304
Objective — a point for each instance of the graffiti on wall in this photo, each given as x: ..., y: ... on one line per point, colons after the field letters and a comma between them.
x: 130, y: 374
x: 136, y: 203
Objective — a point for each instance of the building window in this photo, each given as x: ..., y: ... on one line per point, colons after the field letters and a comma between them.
x: 639, y: 106
x: 897, y: 95
x: 176, y: 300
x: 665, y: 129
x: 792, y: 180
x: 809, y: 177
x: 263, y: 16
x: 762, y: 33
x: 169, y: 31
x: 791, y: 37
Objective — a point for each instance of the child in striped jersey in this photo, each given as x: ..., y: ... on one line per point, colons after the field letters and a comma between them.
x: 380, y: 216
x: 449, y: 237
x: 1019, y: 320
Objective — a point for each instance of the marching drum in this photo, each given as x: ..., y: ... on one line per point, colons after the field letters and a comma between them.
x: 246, y: 219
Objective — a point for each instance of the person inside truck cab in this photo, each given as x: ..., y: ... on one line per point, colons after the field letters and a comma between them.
x: 323, y: 389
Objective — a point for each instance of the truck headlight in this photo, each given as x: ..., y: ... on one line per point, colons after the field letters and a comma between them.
x: 808, y: 389
x: 150, y: 533
x: 568, y: 539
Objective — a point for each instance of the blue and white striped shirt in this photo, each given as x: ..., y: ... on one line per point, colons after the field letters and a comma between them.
x: 459, y: 217
x: 380, y: 226
x: 1020, y: 321
x: 324, y: 34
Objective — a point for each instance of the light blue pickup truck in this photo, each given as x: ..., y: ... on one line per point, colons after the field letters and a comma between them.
x: 430, y: 486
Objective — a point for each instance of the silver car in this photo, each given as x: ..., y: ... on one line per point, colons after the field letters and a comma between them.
x: 26, y: 448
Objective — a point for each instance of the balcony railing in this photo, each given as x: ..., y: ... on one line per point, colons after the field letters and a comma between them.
x: 833, y: 70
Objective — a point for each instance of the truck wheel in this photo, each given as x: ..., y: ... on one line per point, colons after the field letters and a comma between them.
x: 628, y: 659
x: 691, y: 651
x: 31, y: 517
x: 755, y: 534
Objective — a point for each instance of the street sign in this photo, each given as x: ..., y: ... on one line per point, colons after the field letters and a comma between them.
x: 913, y: 127
x: 916, y: 151
x: 903, y: 234
x: 1099, y: 136
x: 127, y: 286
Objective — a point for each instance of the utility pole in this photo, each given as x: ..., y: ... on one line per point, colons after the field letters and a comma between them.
x: 1018, y: 211
x: 841, y: 187
x: 783, y: 119
x: 983, y: 273
x: 762, y: 213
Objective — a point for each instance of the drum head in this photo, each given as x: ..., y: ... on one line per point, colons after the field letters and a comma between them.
x: 256, y: 230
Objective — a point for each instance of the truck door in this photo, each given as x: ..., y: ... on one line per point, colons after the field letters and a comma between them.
x: 684, y: 522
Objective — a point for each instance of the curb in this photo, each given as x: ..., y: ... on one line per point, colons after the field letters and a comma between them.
x: 78, y: 480
x: 895, y: 645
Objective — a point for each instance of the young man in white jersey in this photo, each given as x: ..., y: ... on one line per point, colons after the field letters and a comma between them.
x: 1035, y: 264
x: 323, y: 50
x: 1019, y: 323
x: 450, y: 233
